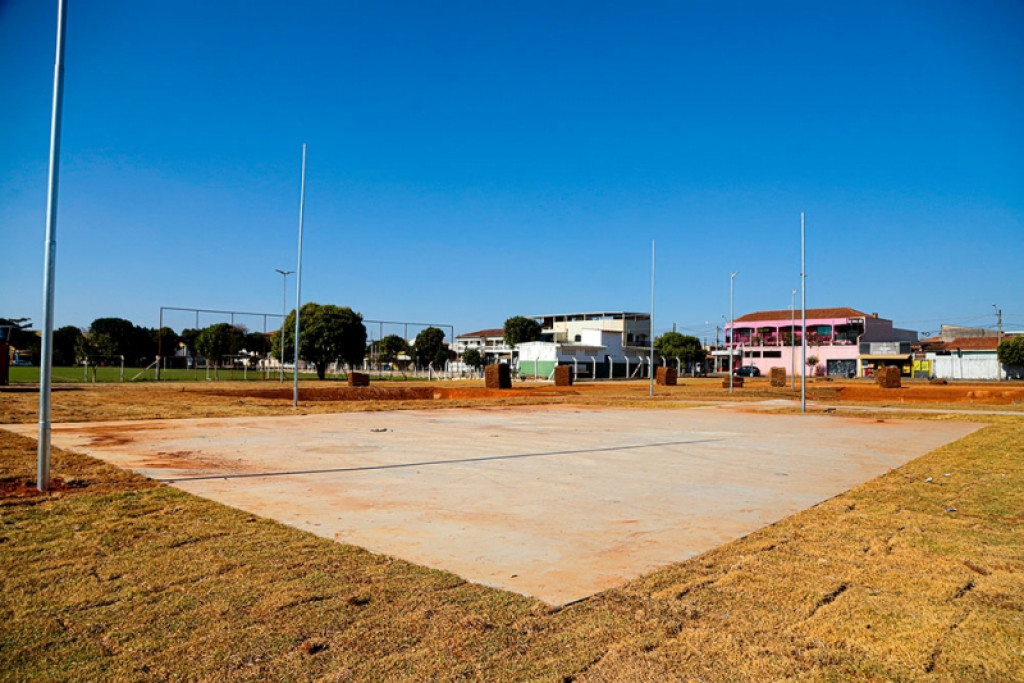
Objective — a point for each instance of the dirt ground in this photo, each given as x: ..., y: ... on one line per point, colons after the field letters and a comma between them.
x: 99, y: 402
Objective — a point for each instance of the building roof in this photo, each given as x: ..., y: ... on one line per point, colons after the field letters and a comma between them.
x: 785, y: 313
x: 973, y: 344
x: 494, y: 332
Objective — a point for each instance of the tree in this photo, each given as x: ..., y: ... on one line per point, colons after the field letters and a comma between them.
x: 66, y: 345
x: 217, y: 341
x: 391, y: 347
x: 188, y: 337
x: 114, y: 337
x: 519, y: 329
x: 429, y: 347
x: 328, y: 333
x: 165, y: 341
x: 682, y: 346
x: 473, y: 358
x: 1011, y: 351
x: 255, y: 342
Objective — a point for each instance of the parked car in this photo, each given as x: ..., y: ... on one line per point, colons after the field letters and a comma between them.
x: 748, y: 371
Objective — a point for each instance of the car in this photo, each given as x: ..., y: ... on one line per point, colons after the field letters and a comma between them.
x: 748, y: 371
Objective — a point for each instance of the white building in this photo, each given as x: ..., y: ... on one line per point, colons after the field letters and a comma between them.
x: 597, y: 345
x: 490, y: 343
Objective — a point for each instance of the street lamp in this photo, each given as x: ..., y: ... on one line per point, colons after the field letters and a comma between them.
x: 732, y: 328
x: 284, y: 306
x: 792, y: 340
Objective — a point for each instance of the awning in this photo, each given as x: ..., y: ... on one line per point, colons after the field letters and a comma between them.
x: 884, y: 356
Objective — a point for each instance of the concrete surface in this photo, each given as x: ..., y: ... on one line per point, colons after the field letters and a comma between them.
x: 556, y: 503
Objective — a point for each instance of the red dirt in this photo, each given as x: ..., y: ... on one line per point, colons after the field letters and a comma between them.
x: 931, y: 393
x: 25, y: 488
x: 391, y: 393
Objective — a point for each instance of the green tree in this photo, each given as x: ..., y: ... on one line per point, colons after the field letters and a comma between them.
x: 473, y: 358
x: 217, y: 341
x: 328, y: 333
x: 1011, y: 351
x: 21, y: 337
x: 255, y: 342
x: 519, y: 329
x: 391, y: 347
x: 66, y: 345
x: 165, y: 342
x: 113, y: 337
x: 682, y: 346
x: 430, y: 348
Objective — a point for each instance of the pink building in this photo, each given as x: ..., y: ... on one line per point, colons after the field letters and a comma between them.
x: 842, y: 339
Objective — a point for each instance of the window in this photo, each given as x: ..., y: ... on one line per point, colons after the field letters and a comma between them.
x: 773, y: 354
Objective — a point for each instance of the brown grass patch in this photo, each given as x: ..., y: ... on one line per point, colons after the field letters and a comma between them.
x: 913, y: 576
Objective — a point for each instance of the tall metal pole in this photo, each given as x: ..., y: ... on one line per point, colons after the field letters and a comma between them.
x: 803, y: 318
x: 50, y: 258
x: 792, y: 340
x: 298, y: 281
x: 732, y: 329
x: 999, y: 340
x: 284, y: 312
x: 650, y: 366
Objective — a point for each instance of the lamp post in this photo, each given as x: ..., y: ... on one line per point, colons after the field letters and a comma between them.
x: 732, y: 327
x: 792, y: 340
x: 284, y: 307
x: 999, y: 340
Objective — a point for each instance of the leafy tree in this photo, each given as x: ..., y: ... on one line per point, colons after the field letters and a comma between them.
x: 188, y: 337
x: 255, y: 342
x: 519, y: 329
x: 165, y: 341
x: 391, y: 347
x: 66, y: 345
x: 429, y: 347
x: 473, y: 358
x: 328, y: 333
x: 219, y: 340
x: 113, y: 337
x: 1011, y: 351
x: 812, y: 361
x: 682, y: 346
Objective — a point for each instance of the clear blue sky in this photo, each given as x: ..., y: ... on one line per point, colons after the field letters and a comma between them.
x: 470, y: 161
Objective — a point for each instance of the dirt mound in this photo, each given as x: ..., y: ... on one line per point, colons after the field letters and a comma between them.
x: 933, y: 393
x: 379, y: 393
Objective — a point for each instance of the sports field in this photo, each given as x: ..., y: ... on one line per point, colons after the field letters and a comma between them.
x: 914, y: 574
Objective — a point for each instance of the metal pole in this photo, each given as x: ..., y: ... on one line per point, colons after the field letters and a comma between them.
x: 803, y: 318
x: 732, y: 328
x: 284, y: 313
x: 999, y: 340
x: 650, y: 370
x: 792, y: 340
x: 159, y: 342
x: 298, y: 281
x: 49, y: 267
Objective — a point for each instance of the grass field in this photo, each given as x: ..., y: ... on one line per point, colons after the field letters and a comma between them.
x: 916, y: 575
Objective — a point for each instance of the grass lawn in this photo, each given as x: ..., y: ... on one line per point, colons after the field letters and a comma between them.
x: 113, y: 576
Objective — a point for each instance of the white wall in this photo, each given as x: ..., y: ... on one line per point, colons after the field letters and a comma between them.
x: 971, y: 366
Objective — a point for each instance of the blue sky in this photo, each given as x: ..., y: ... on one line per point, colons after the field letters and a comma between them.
x: 472, y: 161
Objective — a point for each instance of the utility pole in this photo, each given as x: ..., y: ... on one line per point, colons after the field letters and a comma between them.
x: 803, y: 318
x: 999, y: 340
x: 732, y: 328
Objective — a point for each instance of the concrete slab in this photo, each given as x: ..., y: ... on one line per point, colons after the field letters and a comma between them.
x: 556, y: 503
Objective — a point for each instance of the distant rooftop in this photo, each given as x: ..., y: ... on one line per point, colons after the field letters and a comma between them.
x: 785, y: 313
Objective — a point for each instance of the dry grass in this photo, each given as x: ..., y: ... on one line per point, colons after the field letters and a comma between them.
x: 117, y: 578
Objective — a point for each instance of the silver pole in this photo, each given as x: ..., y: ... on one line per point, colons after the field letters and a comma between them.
x: 50, y: 266
x: 792, y: 340
x: 803, y: 318
x: 732, y: 328
x: 298, y: 281
x: 284, y: 313
x: 650, y: 367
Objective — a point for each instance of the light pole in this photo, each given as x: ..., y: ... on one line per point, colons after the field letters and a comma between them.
x: 732, y: 327
x: 284, y: 306
x: 803, y: 317
x: 792, y: 340
x: 999, y: 340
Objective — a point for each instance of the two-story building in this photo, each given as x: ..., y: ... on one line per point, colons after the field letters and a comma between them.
x: 490, y: 343
x: 843, y: 341
x: 608, y: 344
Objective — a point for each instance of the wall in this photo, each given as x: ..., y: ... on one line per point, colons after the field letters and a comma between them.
x: 971, y: 366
